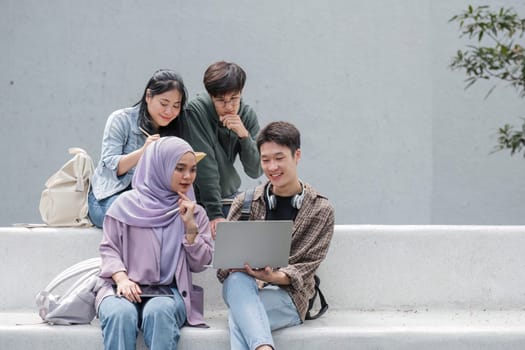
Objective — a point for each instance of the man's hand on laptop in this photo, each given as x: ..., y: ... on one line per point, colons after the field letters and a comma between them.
x: 268, y: 274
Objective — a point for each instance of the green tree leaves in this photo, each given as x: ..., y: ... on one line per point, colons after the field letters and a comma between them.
x: 496, y: 54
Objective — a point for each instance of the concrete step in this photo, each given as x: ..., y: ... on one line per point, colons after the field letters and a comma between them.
x: 389, y: 287
x: 383, y: 267
x: 337, y: 330
x: 32, y: 257
x: 367, y: 268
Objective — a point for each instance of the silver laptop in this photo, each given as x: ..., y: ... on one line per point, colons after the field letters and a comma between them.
x: 258, y: 243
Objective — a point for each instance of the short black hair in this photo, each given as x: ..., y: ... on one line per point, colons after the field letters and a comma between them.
x: 282, y: 133
x: 223, y: 77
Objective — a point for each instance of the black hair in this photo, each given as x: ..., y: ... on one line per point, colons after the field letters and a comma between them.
x: 162, y: 80
x: 223, y: 77
x: 282, y: 133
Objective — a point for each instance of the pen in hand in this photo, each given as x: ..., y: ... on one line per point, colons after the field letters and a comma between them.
x: 171, y: 212
x: 144, y: 131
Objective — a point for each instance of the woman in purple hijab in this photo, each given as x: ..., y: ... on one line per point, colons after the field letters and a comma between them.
x: 154, y: 235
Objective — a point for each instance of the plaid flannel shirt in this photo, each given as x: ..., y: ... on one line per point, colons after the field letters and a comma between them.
x: 313, y: 229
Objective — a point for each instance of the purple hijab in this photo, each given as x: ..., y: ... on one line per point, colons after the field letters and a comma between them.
x: 150, y: 201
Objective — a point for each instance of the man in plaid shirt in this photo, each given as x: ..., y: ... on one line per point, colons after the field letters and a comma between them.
x: 260, y: 301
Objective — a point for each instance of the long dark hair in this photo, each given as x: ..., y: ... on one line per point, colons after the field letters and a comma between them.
x: 162, y: 80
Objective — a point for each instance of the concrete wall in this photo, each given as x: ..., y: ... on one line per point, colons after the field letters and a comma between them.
x: 389, y: 133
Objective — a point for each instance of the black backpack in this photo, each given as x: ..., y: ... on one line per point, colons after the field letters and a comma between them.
x: 245, y: 215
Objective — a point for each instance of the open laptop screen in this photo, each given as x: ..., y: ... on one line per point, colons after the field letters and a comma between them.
x: 258, y: 243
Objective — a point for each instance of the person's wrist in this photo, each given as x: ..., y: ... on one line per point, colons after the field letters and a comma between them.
x: 119, y: 277
x: 244, y: 134
x: 192, y: 230
x: 191, y: 234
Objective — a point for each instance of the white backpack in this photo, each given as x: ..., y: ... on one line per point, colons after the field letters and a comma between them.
x: 77, y: 304
x: 64, y: 201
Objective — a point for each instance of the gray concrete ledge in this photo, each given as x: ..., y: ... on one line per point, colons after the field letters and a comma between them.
x: 338, y: 330
x: 389, y: 287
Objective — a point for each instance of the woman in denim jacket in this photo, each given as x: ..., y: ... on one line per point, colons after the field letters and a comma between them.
x: 128, y: 132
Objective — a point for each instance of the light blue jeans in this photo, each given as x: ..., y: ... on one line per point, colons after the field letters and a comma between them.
x: 254, y: 313
x: 159, y: 319
x: 97, y: 209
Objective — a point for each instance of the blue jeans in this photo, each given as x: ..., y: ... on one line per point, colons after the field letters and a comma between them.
x: 97, y: 209
x: 159, y: 319
x: 254, y: 313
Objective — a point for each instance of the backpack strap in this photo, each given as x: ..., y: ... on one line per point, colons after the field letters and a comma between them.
x: 247, y: 205
x: 324, y: 304
x: 88, y: 266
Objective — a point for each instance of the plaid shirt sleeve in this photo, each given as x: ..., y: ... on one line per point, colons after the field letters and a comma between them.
x: 312, y: 233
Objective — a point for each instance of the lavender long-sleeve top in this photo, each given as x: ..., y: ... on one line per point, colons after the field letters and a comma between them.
x: 138, y: 251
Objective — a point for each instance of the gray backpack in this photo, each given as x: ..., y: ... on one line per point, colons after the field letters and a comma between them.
x: 77, y: 304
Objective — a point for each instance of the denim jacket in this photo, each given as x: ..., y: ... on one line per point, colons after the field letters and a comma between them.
x: 121, y: 136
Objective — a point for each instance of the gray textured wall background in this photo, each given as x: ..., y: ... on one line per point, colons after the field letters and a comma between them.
x: 389, y: 133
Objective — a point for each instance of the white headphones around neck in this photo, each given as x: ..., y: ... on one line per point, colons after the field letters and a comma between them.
x: 296, y: 201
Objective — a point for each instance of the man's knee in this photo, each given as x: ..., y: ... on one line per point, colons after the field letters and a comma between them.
x: 238, y: 284
x: 238, y: 279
